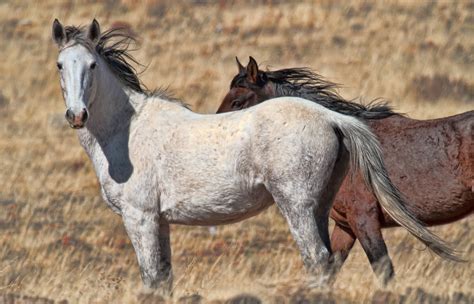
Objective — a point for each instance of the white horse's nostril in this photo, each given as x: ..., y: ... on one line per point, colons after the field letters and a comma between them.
x: 77, y: 120
x: 84, y: 115
x: 69, y: 115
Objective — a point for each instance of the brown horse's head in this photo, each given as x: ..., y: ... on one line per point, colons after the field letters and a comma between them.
x: 248, y: 88
x: 238, y: 99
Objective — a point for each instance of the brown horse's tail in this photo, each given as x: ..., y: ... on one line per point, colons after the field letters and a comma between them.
x: 366, y: 155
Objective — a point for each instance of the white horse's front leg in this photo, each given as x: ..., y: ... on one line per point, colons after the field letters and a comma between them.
x: 150, y: 239
x: 165, y: 255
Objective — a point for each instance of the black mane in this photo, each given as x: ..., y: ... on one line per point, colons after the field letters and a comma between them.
x: 304, y: 83
x: 113, y: 47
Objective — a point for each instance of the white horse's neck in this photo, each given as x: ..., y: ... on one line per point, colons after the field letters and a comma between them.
x: 111, y: 109
x: 106, y: 135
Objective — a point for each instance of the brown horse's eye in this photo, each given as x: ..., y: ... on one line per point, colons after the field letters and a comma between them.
x: 237, y: 103
x: 59, y: 65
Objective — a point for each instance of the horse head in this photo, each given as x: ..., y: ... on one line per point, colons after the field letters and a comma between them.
x: 249, y: 87
x: 77, y: 66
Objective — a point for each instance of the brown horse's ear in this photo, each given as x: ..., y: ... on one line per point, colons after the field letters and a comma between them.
x: 93, y: 32
x: 240, y: 66
x: 59, y: 34
x: 252, y: 70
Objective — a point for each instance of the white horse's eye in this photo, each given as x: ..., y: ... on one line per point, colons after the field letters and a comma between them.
x: 59, y: 65
x: 93, y: 65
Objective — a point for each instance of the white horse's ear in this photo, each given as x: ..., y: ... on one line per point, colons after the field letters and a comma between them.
x: 239, y: 65
x: 59, y: 34
x: 94, y: 31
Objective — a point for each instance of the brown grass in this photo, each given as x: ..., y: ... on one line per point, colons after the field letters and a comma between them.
x: 59, y: 240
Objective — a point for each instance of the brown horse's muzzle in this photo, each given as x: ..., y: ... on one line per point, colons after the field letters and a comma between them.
x: 77, y: 121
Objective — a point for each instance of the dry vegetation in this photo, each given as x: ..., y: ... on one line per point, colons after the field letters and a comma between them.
x: 59, y: 240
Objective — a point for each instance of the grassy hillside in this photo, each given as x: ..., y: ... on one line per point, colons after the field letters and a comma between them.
x: 59, y: 240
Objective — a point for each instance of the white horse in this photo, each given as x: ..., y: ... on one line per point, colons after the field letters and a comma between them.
x: 158, y: 163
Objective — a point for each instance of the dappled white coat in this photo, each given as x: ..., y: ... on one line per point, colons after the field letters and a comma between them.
x: 159, y: 163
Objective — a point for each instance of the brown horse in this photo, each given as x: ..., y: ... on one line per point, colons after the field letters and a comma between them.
x: 430, y: 161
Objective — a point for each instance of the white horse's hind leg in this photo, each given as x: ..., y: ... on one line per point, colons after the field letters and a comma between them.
x: 150, y: 239
x: 303, y: 191
x: 322, y: 210
x: 305, y: 231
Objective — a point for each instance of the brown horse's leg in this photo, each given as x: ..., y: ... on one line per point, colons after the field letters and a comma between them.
x: 342, y: 240
x: 367, y: 229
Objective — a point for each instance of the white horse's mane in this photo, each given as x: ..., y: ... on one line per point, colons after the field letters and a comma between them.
x: 114, y: 47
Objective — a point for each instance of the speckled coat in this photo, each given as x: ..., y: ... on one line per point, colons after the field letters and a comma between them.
x: 158, y: 163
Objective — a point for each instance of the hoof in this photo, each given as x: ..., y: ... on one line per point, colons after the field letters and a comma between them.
x: 150, y: 297
x: 156, y: 295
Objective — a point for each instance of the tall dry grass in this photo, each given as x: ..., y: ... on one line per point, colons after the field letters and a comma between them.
x: 58, y: 239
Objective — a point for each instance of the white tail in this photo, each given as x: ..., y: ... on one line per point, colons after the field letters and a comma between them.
x: 366, y: 156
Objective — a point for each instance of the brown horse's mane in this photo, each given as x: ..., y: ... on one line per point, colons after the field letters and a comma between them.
x: 114, y: 47
x: 304, y: 83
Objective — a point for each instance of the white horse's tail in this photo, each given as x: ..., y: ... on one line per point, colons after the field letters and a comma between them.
x: 366, y: 155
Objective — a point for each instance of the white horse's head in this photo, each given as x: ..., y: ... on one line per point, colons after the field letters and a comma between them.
x: 77, y: 63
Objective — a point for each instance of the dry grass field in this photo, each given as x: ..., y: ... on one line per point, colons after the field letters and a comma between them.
x: 59, y: 241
